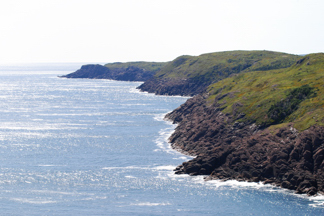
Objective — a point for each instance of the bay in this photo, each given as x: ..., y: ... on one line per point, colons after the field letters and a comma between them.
x: 99, y: 147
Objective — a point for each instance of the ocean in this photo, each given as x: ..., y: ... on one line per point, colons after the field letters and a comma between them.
x: 100, y: 147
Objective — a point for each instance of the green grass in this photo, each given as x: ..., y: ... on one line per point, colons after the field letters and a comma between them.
x: 279, y: 111
x: 149, y: 66
x: 261, y: 92
x: 220, y: 65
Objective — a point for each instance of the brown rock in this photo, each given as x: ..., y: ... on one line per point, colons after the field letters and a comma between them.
x: 227, y: 149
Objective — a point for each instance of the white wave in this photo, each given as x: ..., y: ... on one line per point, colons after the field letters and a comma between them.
x: 237, y: 184
x: 138, y: 91
x: 221, y: 183
x: 168, y: 167
x: 159, y: 117
x: 49, y: 165
x: 164, y: 145
x: 151, y: 204
x: 318, y: 200
x: 125, y: 168
x: 37, y: 119
x: 94, y: 198
x: 135, y: 90
x: 154, y: 168
x: 26, y: 145
x: 181, y: 158
x: 60, y: 192
x: 33, y: 201
x: 162, y: 140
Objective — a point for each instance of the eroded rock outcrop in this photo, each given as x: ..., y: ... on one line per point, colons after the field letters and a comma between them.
x: 226, y: 148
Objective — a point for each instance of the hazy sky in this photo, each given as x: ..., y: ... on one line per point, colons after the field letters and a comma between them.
x: 154, y: 30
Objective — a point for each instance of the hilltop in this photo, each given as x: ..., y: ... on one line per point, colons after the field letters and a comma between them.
x: 258, y: 126
x: 191, y: 75
x: 277, y: 96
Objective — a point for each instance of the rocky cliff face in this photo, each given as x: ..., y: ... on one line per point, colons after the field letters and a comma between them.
x: 169, y: 86
x: 130, y: 73
x: 228, y: 149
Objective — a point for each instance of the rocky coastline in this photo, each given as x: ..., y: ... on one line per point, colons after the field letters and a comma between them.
x: 169, y: 86
x: 226, y: 149
x: 236, y: 97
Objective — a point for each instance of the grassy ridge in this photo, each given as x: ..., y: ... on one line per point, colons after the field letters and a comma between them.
x: 219, y: 65
x: 256, y: 94
x: 149, y: 66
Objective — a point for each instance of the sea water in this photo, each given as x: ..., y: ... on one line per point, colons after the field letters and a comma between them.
x: 99, y: 147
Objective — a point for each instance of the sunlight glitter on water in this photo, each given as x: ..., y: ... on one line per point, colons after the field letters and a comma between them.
x: 70, y: 147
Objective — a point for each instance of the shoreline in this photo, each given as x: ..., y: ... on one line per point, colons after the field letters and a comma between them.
x: 318, y: 199
x: 243, y: 152
x: 230, y: 145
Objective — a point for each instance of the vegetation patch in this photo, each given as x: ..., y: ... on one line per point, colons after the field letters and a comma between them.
x: 280, y: 110
x: 213, y: 67
x: 148, y: 66
x: 279, y: 96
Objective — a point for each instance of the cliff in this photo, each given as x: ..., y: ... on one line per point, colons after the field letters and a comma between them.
x: 227, y: 149
x: 130, y: 71
x: 259, y: 126
x: 254, y: 115
x: 191, y: 75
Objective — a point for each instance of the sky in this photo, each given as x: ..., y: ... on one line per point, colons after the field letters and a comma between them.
x: 154, y: 30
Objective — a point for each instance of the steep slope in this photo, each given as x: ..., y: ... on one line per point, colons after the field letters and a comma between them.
x: 259, y: 126
x: 130, y: 71
x: 190, y: 75
x: 296, y: 93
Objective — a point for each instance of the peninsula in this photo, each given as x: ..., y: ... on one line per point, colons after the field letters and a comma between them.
x: 253, y: 116
x: 131, y: 71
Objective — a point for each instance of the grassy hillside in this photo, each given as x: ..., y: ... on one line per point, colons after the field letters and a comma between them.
x: 191, y: 75
x: 149, y: 66
x: 276, y: 97
x: 218, y: 65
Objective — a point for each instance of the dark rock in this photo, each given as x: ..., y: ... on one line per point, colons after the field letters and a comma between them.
x: 318, y: 158
x: 269, y: 181
x: 287, y: 184
x: 171, y: 86
x: 227, y: 149
x: 311, y: 191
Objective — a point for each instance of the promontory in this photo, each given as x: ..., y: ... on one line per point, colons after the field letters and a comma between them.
x: 253, y: 115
